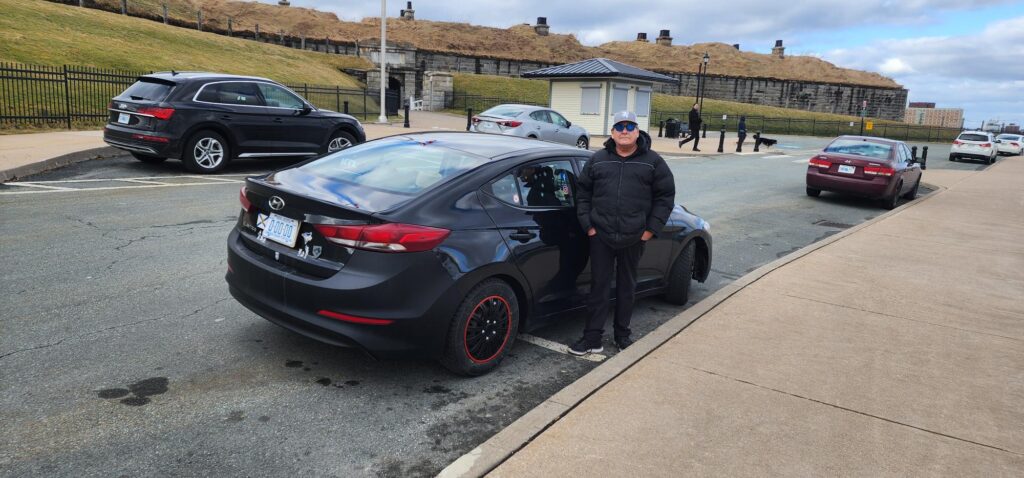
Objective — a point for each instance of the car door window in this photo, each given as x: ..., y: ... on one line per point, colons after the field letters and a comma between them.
x: 277, y: 97
x: 559, y: 120
x: 505, y: 189
x: 231, y: 93
x: 546, y: 184
x: 540, y: 116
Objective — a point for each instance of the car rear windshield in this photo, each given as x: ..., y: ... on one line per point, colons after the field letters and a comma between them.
x: 395, y: 165
x: 148, y: 90
x: 973, y: 137
x: 504, y: 111
x: 859, y: 147
x: 1011, y: 137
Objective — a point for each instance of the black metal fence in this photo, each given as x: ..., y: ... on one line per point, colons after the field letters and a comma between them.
x: 76, y: 96
x: 814, y: 127
x: 462, y: 102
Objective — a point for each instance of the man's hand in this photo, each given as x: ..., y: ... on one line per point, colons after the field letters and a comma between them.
x: 591, y: 231
x: 647, y: 235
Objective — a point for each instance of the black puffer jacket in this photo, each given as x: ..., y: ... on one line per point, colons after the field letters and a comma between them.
x: 623, y: 197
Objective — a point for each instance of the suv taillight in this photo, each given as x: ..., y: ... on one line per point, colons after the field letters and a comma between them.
x: 986, y: 145
x: 957, y: 142
x: 157, y: 112
x: 390, y: 237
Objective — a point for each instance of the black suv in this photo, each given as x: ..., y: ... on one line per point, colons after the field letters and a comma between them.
x: 207, y: 119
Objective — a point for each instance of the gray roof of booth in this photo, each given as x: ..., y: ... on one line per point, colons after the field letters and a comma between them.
x: 598, y: 67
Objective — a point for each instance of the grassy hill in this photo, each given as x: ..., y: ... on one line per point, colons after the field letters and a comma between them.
x: 44, y: 33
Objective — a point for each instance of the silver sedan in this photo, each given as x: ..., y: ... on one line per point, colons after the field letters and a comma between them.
x: 530, y: 122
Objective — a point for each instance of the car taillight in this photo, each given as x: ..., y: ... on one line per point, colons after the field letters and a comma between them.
x: 246, y: 203
x: 476, y: 119
x: 957, y: 142
x: 820, y: 162
x: 157, y: 112
x: 1014, y: 144
x: 510, y: 123
x: 879, y: 170
x: 355, y: 320
x: 389, y: 237
x: 986, y: 145
x: 154, y: 139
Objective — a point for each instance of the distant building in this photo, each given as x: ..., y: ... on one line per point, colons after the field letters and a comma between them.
x: 928, y: 115
x: 1012, y: 129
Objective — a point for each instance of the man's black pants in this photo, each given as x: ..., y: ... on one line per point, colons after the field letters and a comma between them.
x: 604, y: 261
x: 695, y: 136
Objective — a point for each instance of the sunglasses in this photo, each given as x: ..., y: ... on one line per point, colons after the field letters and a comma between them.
x: 620, y: 127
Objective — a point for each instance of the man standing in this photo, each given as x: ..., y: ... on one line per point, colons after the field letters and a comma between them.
x: 695, y: 122
x: 626, y: 193
x: 741, y: 133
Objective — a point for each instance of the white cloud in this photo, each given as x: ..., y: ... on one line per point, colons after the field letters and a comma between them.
x: 894, y: 66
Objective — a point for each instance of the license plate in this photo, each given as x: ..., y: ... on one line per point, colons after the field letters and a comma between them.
x: 279, y: 229
x: 847, y: 169
x: 124, y: 118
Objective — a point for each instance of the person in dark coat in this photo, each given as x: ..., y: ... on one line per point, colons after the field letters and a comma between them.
x: 626, y: 194
x: 695, y: 122
x: 741, y: 132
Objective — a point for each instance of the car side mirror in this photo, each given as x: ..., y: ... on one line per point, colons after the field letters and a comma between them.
x: 999, y: 141
x: 568, y: 123
x: 305, y: 110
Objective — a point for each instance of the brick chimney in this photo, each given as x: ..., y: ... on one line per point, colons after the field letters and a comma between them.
x: 779, y: 50
x: 641, y: 37
x: 736, y: 46
x: 542, y: 26
x: 408, y: 13
x: 664, y: 38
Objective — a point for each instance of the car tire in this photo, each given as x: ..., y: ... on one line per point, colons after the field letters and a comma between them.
x: 681, y: 276
x: 813, y: 192
x: 991, y: 160
x: 891, y: 201
x: 206, y: 152
x: 912, y: 194
x: 583, y: 143
x: 339, y: 141
x: 492, y: 309
x: 952, y: 158
x: 145, y: 158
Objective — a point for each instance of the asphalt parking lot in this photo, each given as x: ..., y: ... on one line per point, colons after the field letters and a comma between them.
x: 122, y: 352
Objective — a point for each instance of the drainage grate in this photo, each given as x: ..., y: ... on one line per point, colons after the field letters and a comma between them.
x: 837, y: 225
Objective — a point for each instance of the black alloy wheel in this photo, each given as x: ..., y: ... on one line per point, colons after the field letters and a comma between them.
x: 483, y: 329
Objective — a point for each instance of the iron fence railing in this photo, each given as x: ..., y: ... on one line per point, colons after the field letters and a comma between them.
x: 814, y: 127
x: 77, y: 96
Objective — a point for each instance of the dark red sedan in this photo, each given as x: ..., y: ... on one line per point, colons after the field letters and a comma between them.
x: 875, y: 168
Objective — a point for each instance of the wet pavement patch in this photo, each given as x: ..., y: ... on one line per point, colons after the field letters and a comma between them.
x: 140, y: 391
x: 837, y: 225
x: 293, y: 364
x: 324, y: 381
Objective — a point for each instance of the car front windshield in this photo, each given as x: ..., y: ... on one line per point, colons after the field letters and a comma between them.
x: 504, y: 111
x: 396, y: 165
x: 857, y: 147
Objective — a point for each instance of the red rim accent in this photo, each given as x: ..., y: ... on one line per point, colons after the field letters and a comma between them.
x: 508, y: 329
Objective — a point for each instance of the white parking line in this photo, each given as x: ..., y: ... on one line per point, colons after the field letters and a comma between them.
x: 135, y: 183
x: 557, y: 347
x: 778, y: 156
x: 30, y: 185
x: 804, y: 161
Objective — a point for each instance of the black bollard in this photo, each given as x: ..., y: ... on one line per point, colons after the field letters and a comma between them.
x: 924, y: 157
x: 721, y: 141
x: 757, y: 141
x: 913, y: 152
x: 469, y: 118
x: 406, y: 114
x: 661, y: 126
x: 704, y: 130
x: 346, y: 107
x: 739, y: 142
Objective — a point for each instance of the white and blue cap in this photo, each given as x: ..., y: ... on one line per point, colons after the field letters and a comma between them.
x: 625, y: 116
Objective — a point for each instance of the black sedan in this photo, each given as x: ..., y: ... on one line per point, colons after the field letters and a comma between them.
x: 209, y: 119
x: 433, y: 245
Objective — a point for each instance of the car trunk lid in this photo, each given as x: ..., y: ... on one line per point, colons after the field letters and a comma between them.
x: 851, y: 166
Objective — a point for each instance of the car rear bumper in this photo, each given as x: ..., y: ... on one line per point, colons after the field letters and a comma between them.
x: 420, y: 299
x: 145, y: 142
x: 878, y: 187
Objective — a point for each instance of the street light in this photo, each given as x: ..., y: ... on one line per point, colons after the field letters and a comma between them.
x: 383, y: 118
x: 704, y: 79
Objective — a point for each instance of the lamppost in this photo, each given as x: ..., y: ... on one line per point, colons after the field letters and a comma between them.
x: 704, y: 79
x: 383, y: 118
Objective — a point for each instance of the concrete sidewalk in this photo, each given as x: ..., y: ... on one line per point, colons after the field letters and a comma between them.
x: 894, y: 348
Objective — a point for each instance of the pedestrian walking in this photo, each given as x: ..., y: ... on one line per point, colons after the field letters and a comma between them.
x: 741, y: 132
x: 695, y: 123
x: 626, y: 193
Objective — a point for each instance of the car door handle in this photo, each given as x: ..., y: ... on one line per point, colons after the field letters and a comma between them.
x: 522, y: 235
x: 278, y: 120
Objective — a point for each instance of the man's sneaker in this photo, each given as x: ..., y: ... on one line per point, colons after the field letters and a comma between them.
x: 582, y: 348
x: 623, y: 342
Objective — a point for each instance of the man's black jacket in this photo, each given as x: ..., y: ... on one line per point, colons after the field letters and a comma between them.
x: 694, y: 119
x: 623, y: 197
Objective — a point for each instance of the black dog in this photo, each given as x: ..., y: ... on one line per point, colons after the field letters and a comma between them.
x: 768, y: 142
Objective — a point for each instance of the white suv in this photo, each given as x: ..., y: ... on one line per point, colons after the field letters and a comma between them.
x: 974, y: 145
x: 1012, y: 144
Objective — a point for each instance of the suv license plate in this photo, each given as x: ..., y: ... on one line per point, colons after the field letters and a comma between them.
x: 847, y: 169
x: 124, y: 118
x: 279, y: 229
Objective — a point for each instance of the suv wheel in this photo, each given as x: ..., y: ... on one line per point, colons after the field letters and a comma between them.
x: 206, y: 152
x: 148, y: 159
x: 339, y: 141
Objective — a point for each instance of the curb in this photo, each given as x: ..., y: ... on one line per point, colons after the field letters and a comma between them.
x: 496, y: 450
x: 58, y: 162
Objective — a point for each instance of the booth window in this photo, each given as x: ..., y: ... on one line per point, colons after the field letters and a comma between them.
x: 620, y: 98
x: 643, y: 101
x: 591, y: 104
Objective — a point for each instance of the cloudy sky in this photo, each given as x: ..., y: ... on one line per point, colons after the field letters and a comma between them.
x: 957, y: 53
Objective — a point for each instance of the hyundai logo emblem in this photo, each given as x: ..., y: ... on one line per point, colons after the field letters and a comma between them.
x: 276, y: 203
x: 122, y: 106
